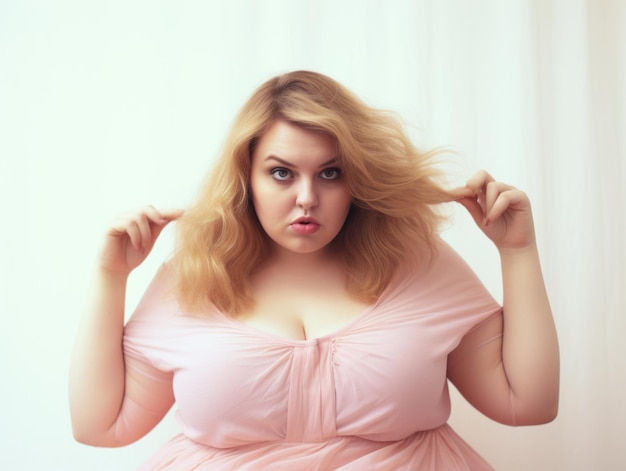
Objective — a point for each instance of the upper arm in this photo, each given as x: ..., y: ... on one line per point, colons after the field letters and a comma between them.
x: 476, y: 369
x: 148, y: 391
x: 146, y: 400
x: 144, y: 394
x: 148, y: 396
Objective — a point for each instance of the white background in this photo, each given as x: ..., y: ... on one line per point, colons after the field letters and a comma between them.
x: 105, y: 106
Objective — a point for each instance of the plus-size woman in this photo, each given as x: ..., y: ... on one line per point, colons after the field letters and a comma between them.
x: 310, y: 316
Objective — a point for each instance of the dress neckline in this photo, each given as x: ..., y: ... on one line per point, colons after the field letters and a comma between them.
x: 243, y: 326
x: 396, y: 282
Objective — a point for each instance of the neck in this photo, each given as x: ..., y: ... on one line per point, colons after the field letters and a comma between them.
x: 287, y: 259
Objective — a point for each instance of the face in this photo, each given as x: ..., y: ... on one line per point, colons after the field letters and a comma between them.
x: 297, y: 188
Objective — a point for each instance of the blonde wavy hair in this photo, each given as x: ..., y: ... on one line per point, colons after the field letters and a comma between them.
x: 394, y: 187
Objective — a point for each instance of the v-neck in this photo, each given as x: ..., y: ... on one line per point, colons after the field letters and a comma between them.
x: 251, y: 329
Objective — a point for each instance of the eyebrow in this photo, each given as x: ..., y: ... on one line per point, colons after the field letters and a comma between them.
x: 334, y: 160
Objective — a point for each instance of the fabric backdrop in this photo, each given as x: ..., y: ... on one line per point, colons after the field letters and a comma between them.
x: 105, y: 106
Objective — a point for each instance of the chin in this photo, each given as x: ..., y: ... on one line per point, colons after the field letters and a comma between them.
x: 303, y: 249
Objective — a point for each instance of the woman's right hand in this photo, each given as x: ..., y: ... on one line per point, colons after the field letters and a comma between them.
x: 131, y: 236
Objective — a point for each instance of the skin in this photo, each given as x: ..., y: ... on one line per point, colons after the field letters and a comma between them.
x: 98, y: 381
x: 519, y: 371
x: 295, y: 174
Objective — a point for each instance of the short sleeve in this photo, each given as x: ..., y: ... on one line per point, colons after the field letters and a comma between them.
x: 447, y: 292
x: 146, y: 334
x: 148, y: 392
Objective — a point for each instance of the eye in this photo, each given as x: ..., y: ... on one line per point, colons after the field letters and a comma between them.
x: 330, y: 173
x: 280, y: 173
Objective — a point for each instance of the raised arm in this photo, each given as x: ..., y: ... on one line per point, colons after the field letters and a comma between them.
x: 509, y: 367
x: 98, y: 382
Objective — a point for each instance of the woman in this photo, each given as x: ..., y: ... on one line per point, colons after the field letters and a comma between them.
x: 311, y: 317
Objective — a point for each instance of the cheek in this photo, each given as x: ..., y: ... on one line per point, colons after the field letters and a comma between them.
x: 344, y: 203
x: 259, y: 210
x: 259, y: 195
x: 267, y: 202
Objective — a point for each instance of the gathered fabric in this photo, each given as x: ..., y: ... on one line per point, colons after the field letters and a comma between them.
x: 371, y: 395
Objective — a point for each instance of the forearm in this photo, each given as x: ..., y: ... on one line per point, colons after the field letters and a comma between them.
x: 96, y: 387
x: 530, y: 350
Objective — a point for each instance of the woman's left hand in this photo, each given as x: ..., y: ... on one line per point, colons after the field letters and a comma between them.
x: 501, y: 211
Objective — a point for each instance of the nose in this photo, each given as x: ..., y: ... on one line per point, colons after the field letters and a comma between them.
x: 307, y: 196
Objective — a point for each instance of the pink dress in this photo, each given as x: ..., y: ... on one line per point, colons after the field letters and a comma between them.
x: 372, y: 395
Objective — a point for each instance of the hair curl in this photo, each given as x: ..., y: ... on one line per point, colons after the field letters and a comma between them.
x: 394, y: 189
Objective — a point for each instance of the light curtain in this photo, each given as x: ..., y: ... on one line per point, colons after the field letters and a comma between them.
x: 571, y: 157
x: 106, y: 105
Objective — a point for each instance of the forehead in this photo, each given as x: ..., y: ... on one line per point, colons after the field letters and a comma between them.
x: 287, y: 140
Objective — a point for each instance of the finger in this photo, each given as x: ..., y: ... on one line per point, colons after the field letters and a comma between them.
x: 493, y: 190
x: 474, y: 208
x: 478, y: 185
x: 162, y: 216
x: 152, y: 214
x: 462, y: 192
x: 506, y: 200
x: 157, y: 220
x: 143, y: 226
x: 134, y: 234
x: 145, y: 231
x: 479, y: 181
x: 171, y: 214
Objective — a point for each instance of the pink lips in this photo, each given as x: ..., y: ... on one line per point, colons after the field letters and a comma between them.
x: 305, y: 226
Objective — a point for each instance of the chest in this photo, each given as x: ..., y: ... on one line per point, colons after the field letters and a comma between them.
x: 302, y: 312
x: 380, y: 378
x: 302, y: 302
